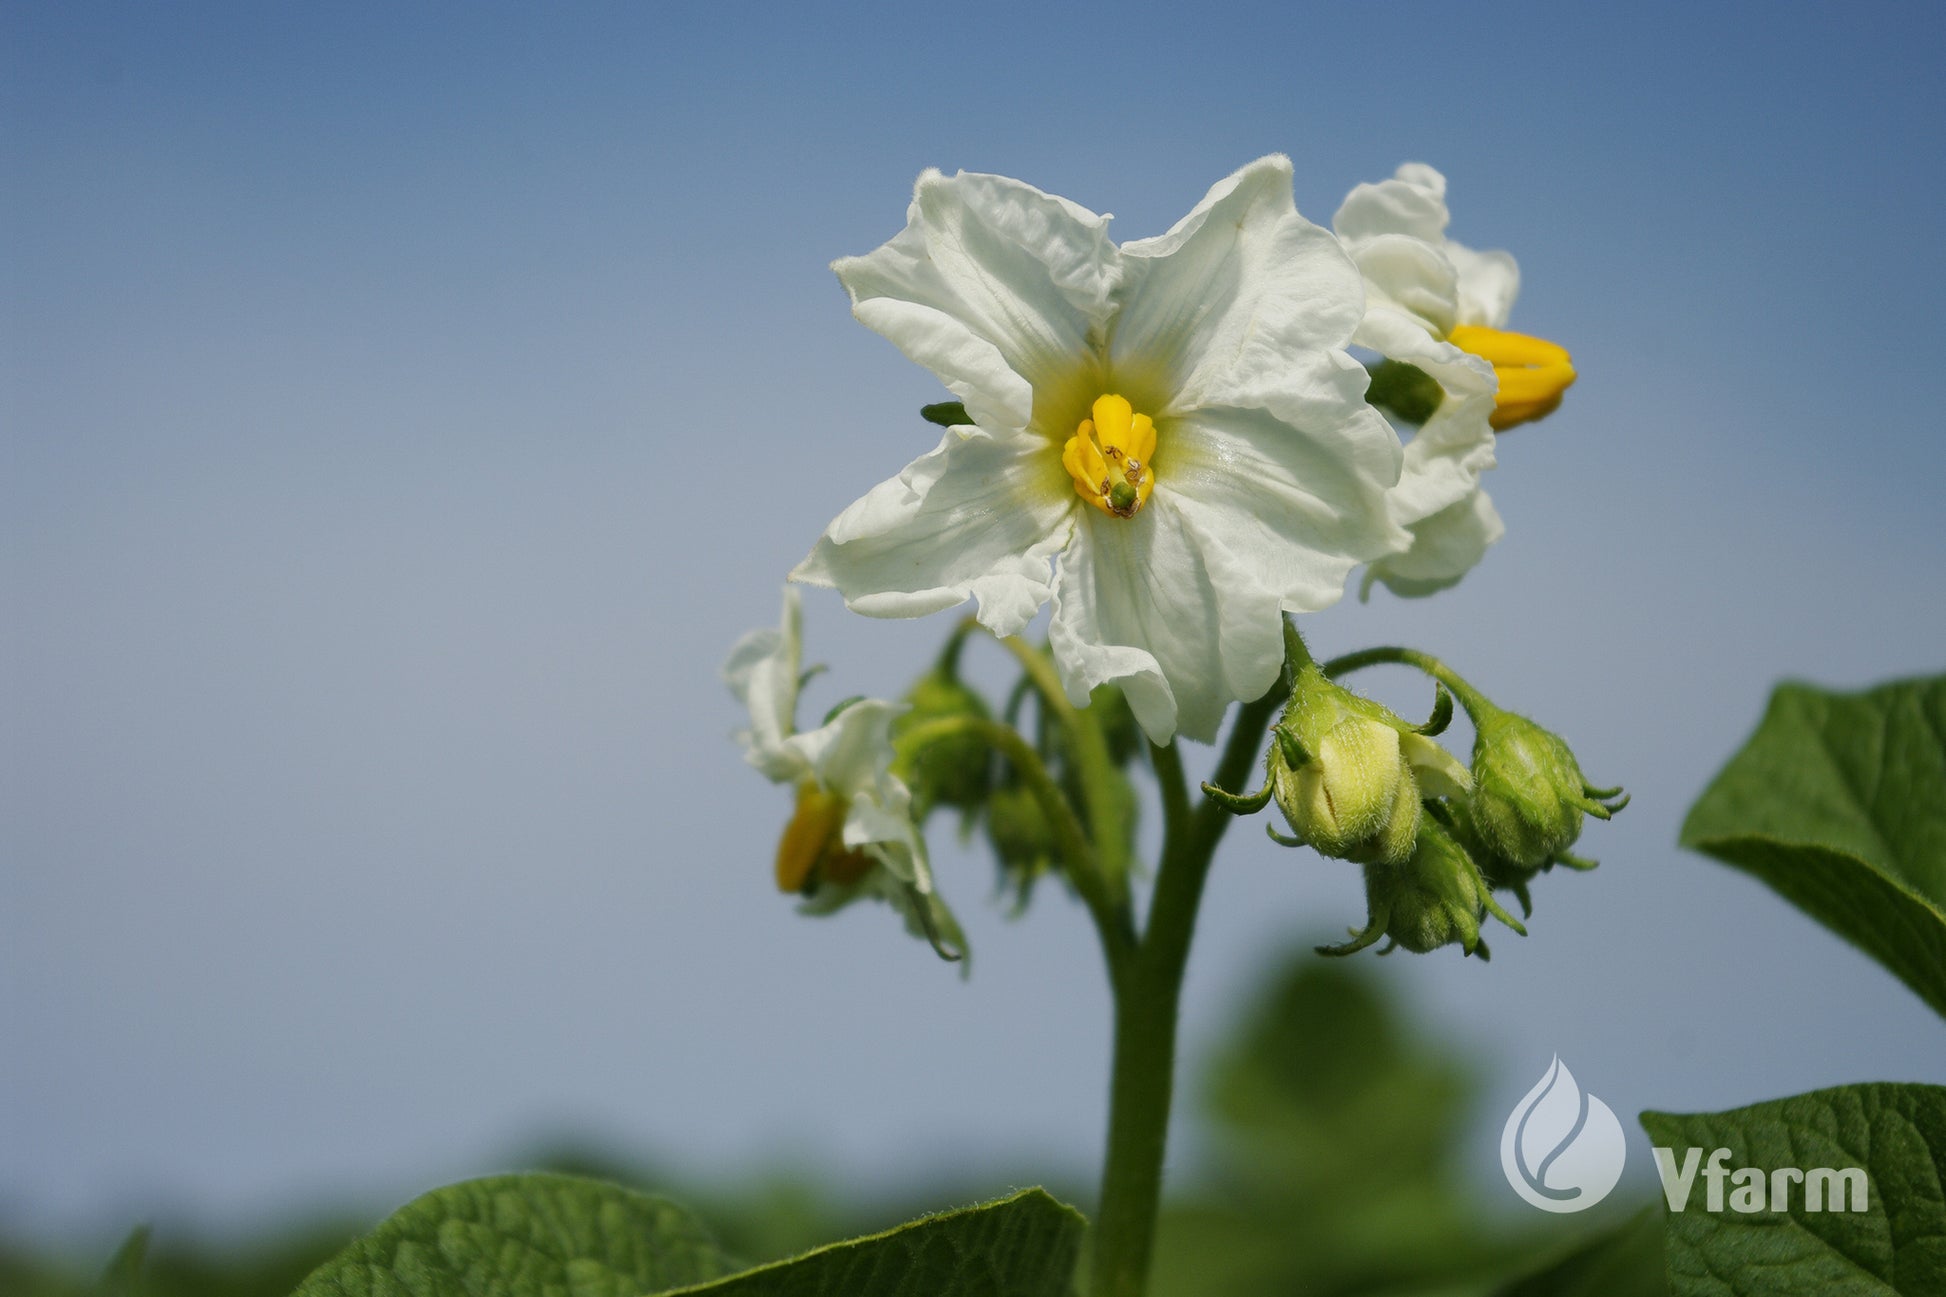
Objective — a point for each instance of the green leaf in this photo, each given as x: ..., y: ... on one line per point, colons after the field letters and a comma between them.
x: 123, y: 1276
x: 1335, y: 1167
x: 1838, y: 802
x: 1023, y: 1246
x: 521, y: 1235
x: 1895, y: 1133
x: 946, y: 414
x: 1622, y: 1262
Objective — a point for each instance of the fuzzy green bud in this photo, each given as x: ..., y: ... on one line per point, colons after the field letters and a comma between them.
x: 1348, y: 774
x: 1022, y: 838
x: 1436, y: 898
x: 1528, y: 793
x: 953, y: 771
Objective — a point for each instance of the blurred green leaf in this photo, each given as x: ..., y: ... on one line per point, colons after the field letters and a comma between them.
x: 1023, y: 1246
x: 520, y: 1235
x: 1338, y: 1134
x: 1623, y: 1262
x: 123, y: 1277
x: 1897, y: 1246
x: 946, y: 414
x: 1838, y: 802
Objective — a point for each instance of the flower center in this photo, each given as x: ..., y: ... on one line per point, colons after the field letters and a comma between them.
x: 1108, y: 457
x: 813, y: 849
x: 1533, y: 372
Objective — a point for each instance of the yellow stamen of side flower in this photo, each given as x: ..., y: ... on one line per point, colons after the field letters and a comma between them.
x: 813, y: 843
x: 1533, y: 372
x: 1108, y: 457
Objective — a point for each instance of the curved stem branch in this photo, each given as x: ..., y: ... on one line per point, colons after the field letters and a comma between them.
x: 1470, y: 698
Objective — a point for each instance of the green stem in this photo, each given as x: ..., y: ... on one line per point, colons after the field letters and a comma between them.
x: 1470, y: 698
x: 1147, y: 995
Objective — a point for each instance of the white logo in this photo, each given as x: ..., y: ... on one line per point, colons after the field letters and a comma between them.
x: 1562, y: 1148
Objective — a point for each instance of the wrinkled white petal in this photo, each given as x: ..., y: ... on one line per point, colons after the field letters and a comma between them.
x: 851, y: 752
x: 1488, y: 284
x: 1164, y: 609
x: 1412, y: 203
x: 1299, y: 506
x: 1445, y: 457
x: 1241, y: 287
x: 1445, y: 548
x: 993, y: 285
x: 763, y: 671
x: 1409, y: 276
x: 979, y: 518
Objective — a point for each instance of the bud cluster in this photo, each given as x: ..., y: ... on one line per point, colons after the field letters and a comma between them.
x: 1435, y: 839
x: 964, y: 771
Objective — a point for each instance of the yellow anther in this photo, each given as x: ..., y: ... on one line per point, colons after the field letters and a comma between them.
x: 813, y: 842
x: 1533, y: 372
x: 1108, y: 457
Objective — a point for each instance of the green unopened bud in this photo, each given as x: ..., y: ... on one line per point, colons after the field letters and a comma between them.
x: 1435, y: 898
x: 1022, y: 838
x: 953, y: 771
x: 1528, y: 794
x: 1348, y: 774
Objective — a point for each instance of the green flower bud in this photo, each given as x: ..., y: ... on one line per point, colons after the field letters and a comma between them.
x: 1435, y: 898
x: 952, y: 771
x: 1349, y: 775
x: 1022, y: 838
x: 1528, y: 795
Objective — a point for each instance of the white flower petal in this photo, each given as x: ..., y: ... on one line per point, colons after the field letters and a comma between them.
x: 1446, y: 456
x: 1488, y: 284
x: 1409, y: 275
x: 993, y: 285
x: 1241, y: 288
x: 1299, y: 505
x: 1167, y: 611
x: 849, y: 754
x: 762, y: 671
x: 1445, y: 547
x: 979, y: 517
x: 1412, y: 202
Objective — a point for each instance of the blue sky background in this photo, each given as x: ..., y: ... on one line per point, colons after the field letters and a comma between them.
x: 404, y: 410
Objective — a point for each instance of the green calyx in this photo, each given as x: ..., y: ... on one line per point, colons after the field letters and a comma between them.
x: 1407, y: 392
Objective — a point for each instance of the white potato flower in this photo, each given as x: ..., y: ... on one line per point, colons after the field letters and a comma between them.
x: 1167, y: 438
x: 1441, y: 307
x: 851, y: 834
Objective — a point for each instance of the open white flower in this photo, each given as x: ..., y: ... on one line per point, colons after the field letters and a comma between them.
x: 1173, y: 426
x: 1440, y: 307
x: 851, y: 834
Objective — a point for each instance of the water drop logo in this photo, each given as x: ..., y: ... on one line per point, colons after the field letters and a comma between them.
x: 1562, y: 1148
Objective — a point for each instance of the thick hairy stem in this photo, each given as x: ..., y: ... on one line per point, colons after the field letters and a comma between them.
x: 1147, y: 995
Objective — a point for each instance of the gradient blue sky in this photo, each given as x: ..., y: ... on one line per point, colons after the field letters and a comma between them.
x: 403, y: 411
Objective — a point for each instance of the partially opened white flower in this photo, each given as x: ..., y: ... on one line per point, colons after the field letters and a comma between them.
x: 1167, y: 438
x: 851, y: 834
x: 1441, y: 307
